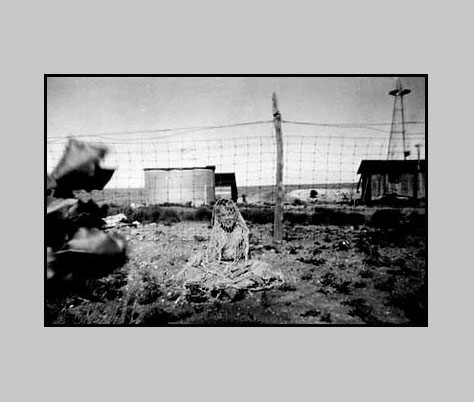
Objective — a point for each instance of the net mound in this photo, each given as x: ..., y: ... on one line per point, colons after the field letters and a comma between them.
x: 225, y: 263
x: 252, y: 275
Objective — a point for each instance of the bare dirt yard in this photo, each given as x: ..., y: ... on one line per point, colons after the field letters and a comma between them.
x: 343, y: 275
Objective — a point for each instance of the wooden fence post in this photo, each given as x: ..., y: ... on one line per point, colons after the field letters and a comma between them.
x: 278, y: 221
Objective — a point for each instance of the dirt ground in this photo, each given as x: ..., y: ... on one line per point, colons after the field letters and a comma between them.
x: 333, y: 275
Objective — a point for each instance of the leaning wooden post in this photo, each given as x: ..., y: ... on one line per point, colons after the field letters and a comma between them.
x: 278, y: 222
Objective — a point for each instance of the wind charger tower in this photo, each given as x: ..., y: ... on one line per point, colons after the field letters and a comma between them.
x: 396, y: 179
x: 398, y: 124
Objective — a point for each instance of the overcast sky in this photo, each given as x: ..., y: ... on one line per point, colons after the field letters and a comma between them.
x: 78, y: 106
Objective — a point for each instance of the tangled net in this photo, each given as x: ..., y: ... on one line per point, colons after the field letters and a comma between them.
x: 230, y: 236
x: 225, y: 263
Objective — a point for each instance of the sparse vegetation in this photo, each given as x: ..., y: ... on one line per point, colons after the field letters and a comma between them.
x: 335, y: 274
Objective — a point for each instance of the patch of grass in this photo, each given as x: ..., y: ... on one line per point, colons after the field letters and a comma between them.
x: 298, y: 202
x: 264, y: 300
x: 145, y: 214
x: 196, y: 295
x: 327, y: 216
x: 330, y: 283
x: 316, y: 216
x: 375, y: 258
x: 296, y: 218
x: 168, y: 215
x: 382, y: 219
x: 362, y: 245
x: 416, y: 220
x: 108, y: 288
x: 96, y: 313
x: 413, y: 304
x: 395, y: 237
x: 203, y: 214
x: 361, y: 308
x: 114, y: 209
x: 258, y: 215
x: 386, y: 218
x: 385, y: 285
x: 157, y: 315
x: 287, y: 287
x: 293, y: 249
x: 402, y: 270
x: 326, y: 317
x: 151, y: 291
x: 327, y: 279
x: 343, y: 287
x: 173, y: 204
x: 311, y: 313
x: 313, y: 260
x: 307, y: 277
x: 366, y: 273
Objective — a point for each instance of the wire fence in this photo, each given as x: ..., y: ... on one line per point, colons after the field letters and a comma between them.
x: 195, y: 166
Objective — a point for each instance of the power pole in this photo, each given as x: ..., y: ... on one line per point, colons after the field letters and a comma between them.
x: 418, y: 152
x: 278, y: 222
x: 418, y: 170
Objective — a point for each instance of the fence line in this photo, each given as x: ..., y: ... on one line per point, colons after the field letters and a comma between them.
x: 323, y: 157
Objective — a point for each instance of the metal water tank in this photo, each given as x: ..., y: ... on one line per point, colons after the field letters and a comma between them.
x: 180, y: 185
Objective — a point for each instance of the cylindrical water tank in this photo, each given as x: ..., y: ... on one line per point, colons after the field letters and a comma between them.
x: 180, y: 185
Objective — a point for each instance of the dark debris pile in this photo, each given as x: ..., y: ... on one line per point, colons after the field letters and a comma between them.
x: 78, y: 247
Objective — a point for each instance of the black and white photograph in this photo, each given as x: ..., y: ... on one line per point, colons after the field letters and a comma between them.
x: 236, y: 201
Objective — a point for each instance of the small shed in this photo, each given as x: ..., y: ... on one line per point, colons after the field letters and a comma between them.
x: 226, y: 186
x: 392, y: 181
x: 193, y: 185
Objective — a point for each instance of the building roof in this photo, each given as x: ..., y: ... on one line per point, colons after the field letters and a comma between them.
x: 210, y: 167
x: 224, y: 179
x: 370, y: 166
